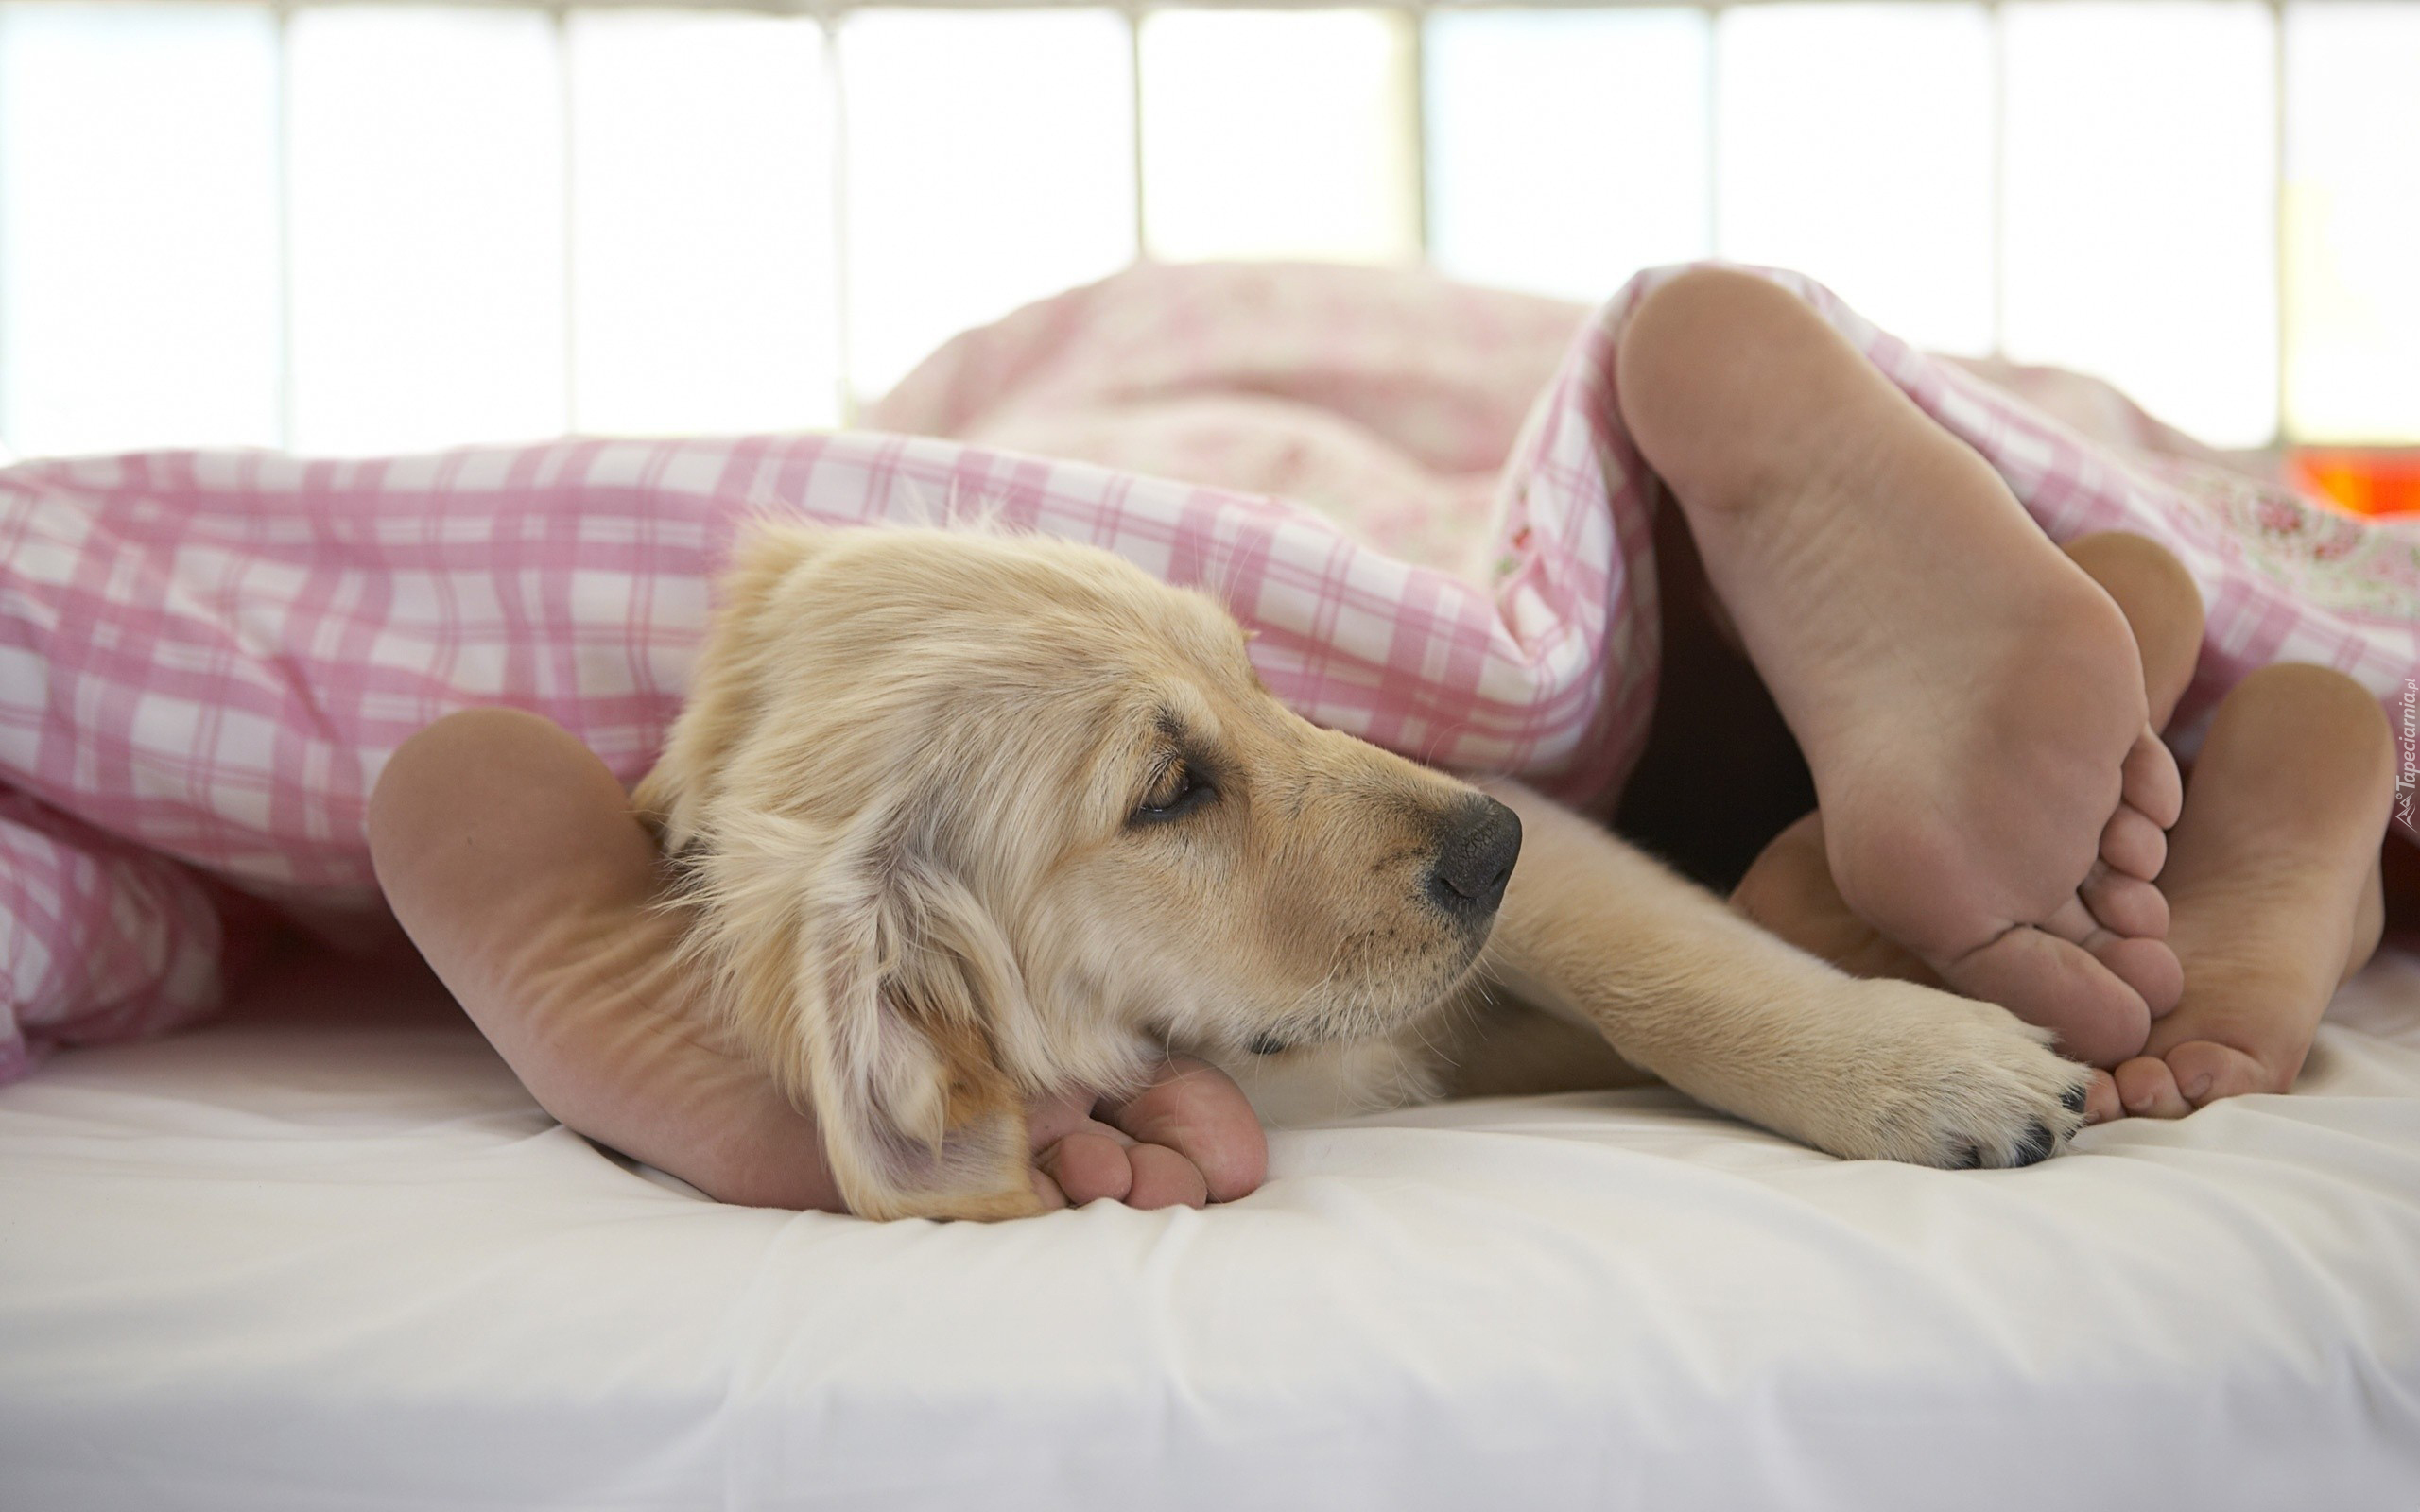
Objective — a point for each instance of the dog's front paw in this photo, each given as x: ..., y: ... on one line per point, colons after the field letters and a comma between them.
x: 1937, y: 1079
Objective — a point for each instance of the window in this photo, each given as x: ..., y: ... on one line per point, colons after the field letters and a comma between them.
x: 368, y: 227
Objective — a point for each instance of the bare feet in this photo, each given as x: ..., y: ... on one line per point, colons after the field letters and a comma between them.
x: 509, y: 855
x: 2163, y: 609
x: 1789, y: 889
x: 2273, y: 883
x: 1971, y: 703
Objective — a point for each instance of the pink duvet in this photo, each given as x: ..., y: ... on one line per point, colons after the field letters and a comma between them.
x: 1420, y: 494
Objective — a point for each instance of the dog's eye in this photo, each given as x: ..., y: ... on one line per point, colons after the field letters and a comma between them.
x: 1176, y: 791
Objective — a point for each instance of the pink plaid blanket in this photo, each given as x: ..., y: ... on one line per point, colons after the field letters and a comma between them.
x: 205, y: 657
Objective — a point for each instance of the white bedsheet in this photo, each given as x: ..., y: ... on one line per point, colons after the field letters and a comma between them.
x: 343, y: 1262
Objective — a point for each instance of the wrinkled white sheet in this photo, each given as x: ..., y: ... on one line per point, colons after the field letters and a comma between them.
x: 342, y: 1261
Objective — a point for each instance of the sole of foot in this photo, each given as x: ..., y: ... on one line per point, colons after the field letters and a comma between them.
x: 1971, y: 702
x: 1789, y: 889
x: 509, y: 854
x: 2272, y: 886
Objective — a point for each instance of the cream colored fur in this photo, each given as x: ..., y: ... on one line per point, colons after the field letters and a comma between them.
x: 908, y: 799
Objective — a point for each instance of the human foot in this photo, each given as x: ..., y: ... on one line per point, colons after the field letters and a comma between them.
x: 2163, y: 611
x: 509, y: 855
x: 1971, y: 703
x: 1789, y: 889
x: 2273, y: 885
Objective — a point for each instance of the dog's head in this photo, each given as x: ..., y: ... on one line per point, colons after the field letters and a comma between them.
x: 968, y: 818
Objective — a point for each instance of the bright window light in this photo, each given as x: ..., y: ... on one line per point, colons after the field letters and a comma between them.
x: 426, y: 173
x: 138, y: 226
x: 423, y: 223
x: 1280, y: 134
x: 1854, y: 146
x: 2141, y: 189
x: 991, y: 162
x: 1566, y: 148
x: 703, y: 295
x: 2353, y: 222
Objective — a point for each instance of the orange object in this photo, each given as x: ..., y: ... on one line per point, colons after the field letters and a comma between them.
x: 2364, y: 482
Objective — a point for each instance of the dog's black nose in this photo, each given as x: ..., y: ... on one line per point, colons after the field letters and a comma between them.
x: 1478, y: 843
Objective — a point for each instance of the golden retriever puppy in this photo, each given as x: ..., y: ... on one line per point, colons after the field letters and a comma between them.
x: 962, y: 819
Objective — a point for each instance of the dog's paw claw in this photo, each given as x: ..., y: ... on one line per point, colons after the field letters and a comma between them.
x: 2039, y: 1142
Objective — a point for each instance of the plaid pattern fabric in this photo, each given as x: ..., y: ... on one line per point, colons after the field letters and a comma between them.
x: 205, y: 658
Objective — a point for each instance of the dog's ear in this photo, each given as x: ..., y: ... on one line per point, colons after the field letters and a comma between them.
x: 724, y: 699
x: 869, y: 982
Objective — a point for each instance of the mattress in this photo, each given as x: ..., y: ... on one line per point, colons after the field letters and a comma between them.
x: 327, y: 1254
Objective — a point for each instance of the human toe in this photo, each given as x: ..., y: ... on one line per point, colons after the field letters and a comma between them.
x: 2101, y: 1104
x: 2123, y: 904
x: 2057, y: 985
x: 1195, y: 1109
x: 2148, y: 1088
x: 2149, y: 967
x: 1164, y: 1179
x: 2145, y: 963
x: 2206, y: 1071
x: 2132, y: 844
x: 2149, y: 781
x: 1088, y: 1165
